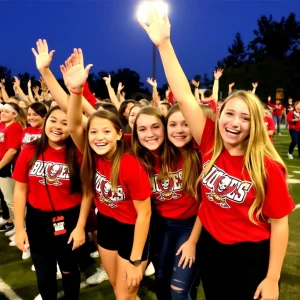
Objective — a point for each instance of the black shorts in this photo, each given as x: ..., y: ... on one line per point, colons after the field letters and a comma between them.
x: 116, y: 236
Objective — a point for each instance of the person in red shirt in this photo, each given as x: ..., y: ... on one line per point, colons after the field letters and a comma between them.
x: 117, y: 182
x: 10, y: 143
x: 245, y: 198
x: 35, y: 118
x: 278, y: 110
x: 293, y: 119
x: 269, y: 122
x: 173, y: 165
x: 48, y: 184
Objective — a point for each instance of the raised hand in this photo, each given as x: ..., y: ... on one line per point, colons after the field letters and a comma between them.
x: 152, y: 82
x: 255, y: 85
x: 159, y: 28
x: 75, y: 73
x: 107, y: 80
x: 120, y: 87
x: 195, y: 83
x: 29, y: 84
x: 218, y: 73
x: 17, y: 81
x: 231, y: 85
x: 43, y: 57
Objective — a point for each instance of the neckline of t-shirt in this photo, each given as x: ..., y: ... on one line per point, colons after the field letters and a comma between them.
x: 237, y: 157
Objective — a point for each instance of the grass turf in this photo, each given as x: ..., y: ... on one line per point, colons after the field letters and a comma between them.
x: 17, y: 274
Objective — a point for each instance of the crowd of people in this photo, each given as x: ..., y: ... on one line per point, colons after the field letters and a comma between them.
x: 187, y: 186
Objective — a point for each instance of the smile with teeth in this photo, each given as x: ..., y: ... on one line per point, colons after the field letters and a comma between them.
x: 101, y: 144
x: 179, y: 137
x: 232, y: 131
x: 151, y: 141
x: 56, y: 133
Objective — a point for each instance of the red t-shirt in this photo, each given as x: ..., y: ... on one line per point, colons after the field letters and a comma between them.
x: 87, y: 94
x: 57, y: 179
x: 296, y: 124
x: 10, y: 137
x: 30, y: 134
x: 127, y: 139
x: 270, y: 125
x: 228, y: 193
x: 170, y: 201
x: 133, y: 185
x: 277, y: 109
x: 210, y: 103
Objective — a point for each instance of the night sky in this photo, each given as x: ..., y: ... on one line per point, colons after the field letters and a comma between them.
x: 111, y: 38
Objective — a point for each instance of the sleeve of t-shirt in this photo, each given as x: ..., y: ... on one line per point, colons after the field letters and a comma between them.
x: 290, y: 116
x: 213, y: 105
x: 21, y: 169
x: 87, y: 94
x: 207, y: 136
x: 136, y: 178
x: 171, y: 98
x: 14, y: 137
x: 271, y: 124
x: 278, y: 201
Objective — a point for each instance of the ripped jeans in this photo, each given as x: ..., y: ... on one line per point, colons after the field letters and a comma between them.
x: 167, y: 235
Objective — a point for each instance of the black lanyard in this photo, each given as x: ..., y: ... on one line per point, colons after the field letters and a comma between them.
x: 46, y: 185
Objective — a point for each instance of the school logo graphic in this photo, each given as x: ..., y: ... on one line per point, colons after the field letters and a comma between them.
x: 224, y: 188
x: 50, y: 172
x: 30, y: 138
x: 1, y: 137
x: 105, y: 193
x: 167, y: 188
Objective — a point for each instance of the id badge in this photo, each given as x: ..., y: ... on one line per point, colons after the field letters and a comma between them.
x: 59, y: 225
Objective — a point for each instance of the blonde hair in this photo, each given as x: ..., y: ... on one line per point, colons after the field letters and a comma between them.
x: 257, y: 147
x: 208, y: 111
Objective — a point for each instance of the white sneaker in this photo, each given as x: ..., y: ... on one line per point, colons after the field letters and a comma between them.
x: 150, y: 270
x: 33, y: 268
x: 98, y: 277
x: 3, y: 221
x: 26, y: 255
x: 11, y: 238
x: 58, y: 273
x: 94, y: 254
x: 12, y: 243
x: 290, y: 156
x: 279, y: 133
x: 10, y: 232
x: 38, y: 297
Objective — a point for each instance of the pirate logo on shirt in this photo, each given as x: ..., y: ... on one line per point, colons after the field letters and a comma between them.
x: 30, y: 138
x: 1, y: 137
x: 166, y: 188
x: 50, y: 172
x: 105, y: 193
x: 224, y: 187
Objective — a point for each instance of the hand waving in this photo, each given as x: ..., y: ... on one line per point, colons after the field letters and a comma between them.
x: 152, y: 82
x: 218, y: 73
x: 231, y: 85
x: 120, y: 87
x: 75, y: 73
x: 107, y: 80
x: 159, y: 28
x: 254, y: 85
x: 43, y: 57
x: 195, y: 83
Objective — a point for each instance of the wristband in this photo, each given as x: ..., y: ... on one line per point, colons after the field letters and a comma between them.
x: 76, y: 93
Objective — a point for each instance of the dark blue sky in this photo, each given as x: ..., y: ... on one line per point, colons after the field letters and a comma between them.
x: 111, y: 38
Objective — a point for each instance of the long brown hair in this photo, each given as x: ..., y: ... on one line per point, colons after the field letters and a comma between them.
x: 192, y: 166
x: 88, y: 169
x: 144, y: 155
x: 21, y: 117
x: 70, y: 155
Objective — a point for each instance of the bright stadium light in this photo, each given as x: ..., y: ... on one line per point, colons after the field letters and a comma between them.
x: 143, y: 9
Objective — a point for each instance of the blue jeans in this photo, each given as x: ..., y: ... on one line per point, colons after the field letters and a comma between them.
x: 295, y: 136
x: 277, y: 121
x: 167, y: 235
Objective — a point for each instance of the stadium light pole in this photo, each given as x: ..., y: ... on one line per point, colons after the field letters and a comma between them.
x: 143, y: 11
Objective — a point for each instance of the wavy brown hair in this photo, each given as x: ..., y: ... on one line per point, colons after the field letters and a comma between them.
x: 144, y: 155
x: 88, y: 169
x: 192, y: 166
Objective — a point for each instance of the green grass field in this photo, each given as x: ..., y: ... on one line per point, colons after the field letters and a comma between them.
x: 18, y: 275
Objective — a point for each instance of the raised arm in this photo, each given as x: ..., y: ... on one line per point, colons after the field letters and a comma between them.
x: 254, y: 85
x: 217, y: 75
x: 75, y: 77
x: 4, y: 93
x: 230, y: 86
x: 30, y: 96
x: 113, y: 98
x: 196, y: 85
x: 43, y: 60
x: 159, y: 32
x: 120, y: 92
x: 155, y: 99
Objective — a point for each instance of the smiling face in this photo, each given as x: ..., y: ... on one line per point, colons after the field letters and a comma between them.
x: 34, y: 119
x: 103, y: 136
x: 179, y: 133
x: 234, y: 124
x: 150, y: 131
x: 132, y: 116
x: 56, y: 128
x: 127, y: 110
x: 7, y: 116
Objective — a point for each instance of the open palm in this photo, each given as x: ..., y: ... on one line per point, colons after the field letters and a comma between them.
x: 43, y: 57
x: 159, y: 27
